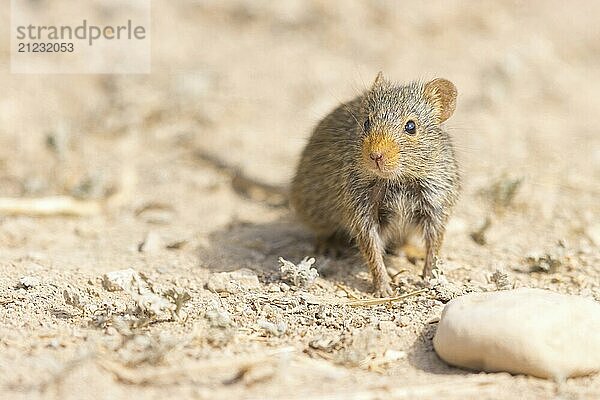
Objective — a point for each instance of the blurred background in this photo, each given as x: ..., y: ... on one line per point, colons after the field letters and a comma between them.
x: 242, y: 83
x: 249, y: 79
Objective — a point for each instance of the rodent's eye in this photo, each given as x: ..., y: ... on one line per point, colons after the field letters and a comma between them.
x: 410, y: 127
x: 367, y: 125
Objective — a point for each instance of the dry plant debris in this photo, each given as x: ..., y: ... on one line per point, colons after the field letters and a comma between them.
x: 501, y: 280
x: 384, y: 300
x: 143, y: 293
x: 547, y: 261
x: 444, y: 290
x: 302, y: 275
x: 48, y: 206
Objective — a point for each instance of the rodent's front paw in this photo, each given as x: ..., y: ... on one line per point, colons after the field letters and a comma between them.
x: 383, y: 289
x: 431, y: 264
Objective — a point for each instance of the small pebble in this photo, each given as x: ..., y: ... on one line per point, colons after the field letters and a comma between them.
x: 28, y: 282
x: 274, y: 288
x: 151, y: 244
x: 272, y: 329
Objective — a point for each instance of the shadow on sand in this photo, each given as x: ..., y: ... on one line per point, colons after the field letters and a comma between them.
x: 259, y: 246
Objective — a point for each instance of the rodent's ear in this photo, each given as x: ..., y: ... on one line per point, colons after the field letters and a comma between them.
x: 442, y: 93
x: 379, y: 79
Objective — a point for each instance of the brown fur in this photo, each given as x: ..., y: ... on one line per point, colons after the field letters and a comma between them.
x: 376, y: 186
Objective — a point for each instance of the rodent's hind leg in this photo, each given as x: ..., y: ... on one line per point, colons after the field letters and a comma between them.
x: 434, y: 236
x: 371, y: 247
x: 431, y: 263
x: 332, y: 245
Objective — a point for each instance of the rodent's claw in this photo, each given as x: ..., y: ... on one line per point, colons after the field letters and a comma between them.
x: 383, y: 289
x: 431, y: 263
x: 427, y: 272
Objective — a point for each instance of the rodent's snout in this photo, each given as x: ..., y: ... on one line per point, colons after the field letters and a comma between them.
x: 378, y: 159
x: 376, y: 156
x: 381, y: 153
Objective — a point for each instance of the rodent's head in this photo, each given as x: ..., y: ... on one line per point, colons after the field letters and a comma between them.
x: 400, y: 127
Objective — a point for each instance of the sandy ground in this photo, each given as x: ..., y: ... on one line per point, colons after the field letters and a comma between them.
x: 237, y: 86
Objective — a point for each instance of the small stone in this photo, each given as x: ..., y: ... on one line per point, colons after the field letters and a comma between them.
x: 140, y: 289
x: 521, y: 331
x: 309, y: 298
x: 151, y: 244
x: 218, y: 317
x: 284, y: 287
x: 27, y: 282
x: 326, y: 343
x: 112, y: 331
x: 268, y: 310
x: 116, y: 280
x: 233, y: 282
x: 272, y: 329
x: 274, y: 288
x: 444, y: 291
x: 221, y: 328
x: 479, y: 236
x: 281, y: 327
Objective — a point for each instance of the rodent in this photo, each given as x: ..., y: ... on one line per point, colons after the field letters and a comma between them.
x: 379, y: 167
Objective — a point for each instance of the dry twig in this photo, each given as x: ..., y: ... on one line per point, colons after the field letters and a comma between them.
x: 374, y: 302
x: 48, y: 206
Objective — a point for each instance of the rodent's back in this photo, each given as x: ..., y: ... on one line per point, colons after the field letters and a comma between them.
x: 317, y: 190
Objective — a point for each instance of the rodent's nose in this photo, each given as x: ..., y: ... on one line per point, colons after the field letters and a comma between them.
x: 376, y: 156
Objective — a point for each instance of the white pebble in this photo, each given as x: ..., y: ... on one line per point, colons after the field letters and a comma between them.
x: 521, y: 331
x: 28, y: 282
